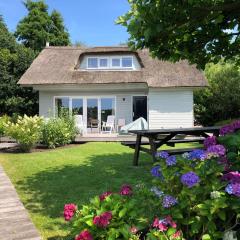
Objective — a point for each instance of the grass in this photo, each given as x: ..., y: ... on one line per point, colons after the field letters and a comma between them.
x: 45, y: 181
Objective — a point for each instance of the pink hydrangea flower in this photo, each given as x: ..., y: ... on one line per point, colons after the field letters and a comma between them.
x: 102, y: 220
x: 69, y: 211
x: 233, y: 177
x: 133, y: 230
x: 84, y: 235
x: 209, y: 141
x: 176, y: 234
x: 126, y: 190
x: 104, y: 195
x: 170, y: 221
x: 160, y: 224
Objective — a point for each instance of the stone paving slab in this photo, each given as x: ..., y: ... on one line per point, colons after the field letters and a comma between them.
x: 15, y: 223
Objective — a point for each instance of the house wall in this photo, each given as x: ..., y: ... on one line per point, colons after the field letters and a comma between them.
x: 172, y: 108
x: 167, y: 108
x: 123, y: 100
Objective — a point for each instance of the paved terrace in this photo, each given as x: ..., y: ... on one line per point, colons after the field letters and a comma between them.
x: 15, y: 223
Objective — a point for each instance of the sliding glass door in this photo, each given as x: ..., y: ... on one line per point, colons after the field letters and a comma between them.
x: 92, y: 112
x: 107, y: 108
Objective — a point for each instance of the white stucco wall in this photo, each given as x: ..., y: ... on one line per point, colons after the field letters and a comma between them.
x: 170, y: 108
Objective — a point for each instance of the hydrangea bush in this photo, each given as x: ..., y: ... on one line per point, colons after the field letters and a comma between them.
x: 192, y: 196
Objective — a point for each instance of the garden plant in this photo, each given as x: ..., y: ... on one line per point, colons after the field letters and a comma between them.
x: 193, y: 196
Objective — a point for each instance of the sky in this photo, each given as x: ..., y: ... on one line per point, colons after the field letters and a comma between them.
x: 88, y: 21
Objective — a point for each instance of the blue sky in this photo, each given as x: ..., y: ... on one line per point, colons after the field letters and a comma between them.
x: 88, y: 21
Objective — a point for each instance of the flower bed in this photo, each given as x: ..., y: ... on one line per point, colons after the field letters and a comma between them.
x: 193, y: 196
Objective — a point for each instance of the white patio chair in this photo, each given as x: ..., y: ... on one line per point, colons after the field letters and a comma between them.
x: 80, y: 124
x: 121, y: 123
x: 110, y: 124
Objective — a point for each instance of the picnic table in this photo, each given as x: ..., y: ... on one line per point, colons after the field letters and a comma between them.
x: 158, y: 137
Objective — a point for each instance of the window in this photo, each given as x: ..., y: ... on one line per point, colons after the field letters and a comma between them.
x: 92, y: 62
x: 77, y: 106
x: 103, y: 62
x: 127, y: 62
x: 110, y: 62
x: 61, y: 106
x: 116, y: 62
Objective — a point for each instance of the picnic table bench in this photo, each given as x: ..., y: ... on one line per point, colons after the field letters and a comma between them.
x: 168, y: 137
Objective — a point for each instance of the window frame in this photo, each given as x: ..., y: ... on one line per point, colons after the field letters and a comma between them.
x: 92, y: 67
x: 109, y: 62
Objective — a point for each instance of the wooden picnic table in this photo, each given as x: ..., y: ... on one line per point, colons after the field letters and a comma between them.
x: 168, y: 136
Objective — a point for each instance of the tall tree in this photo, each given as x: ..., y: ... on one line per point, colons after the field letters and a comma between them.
x: 38, y: 27
x: 14, y: 60
x: 197, y: 30
x: 220, y: 101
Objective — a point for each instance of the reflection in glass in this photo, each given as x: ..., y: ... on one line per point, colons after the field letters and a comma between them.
x: 107, y: 108
x: 77, y: 106
x: 61, y: 106
x: 92, y: 112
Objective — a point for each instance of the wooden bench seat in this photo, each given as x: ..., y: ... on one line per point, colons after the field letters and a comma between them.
x: 169, y: 143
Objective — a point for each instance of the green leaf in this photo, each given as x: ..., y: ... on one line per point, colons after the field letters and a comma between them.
x: 206, y: 237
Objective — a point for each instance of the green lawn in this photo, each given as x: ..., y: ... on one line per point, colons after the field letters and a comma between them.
x: 45, y: 181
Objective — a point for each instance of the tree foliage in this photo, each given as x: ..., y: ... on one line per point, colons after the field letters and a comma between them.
x: 39, y: 26
x: 220, y: 101
x: 14, y: 60
x: 200, y: 31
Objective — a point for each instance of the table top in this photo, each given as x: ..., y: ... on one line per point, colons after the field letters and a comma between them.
x: 177, y: 130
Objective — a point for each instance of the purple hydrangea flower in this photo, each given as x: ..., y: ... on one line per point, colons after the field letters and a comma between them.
x: 169, y: 201
x: 233, y: 189
x: 236, y: 124
x: 197, y: 154
x: 190, y: 179
x: 216, y: 150
x: 209, y: 141
x: 226, y: 130
x: 171, y: 161
x: 156, y: 171
x: 162, y: 154
x: 157, y: 191
x: 233, y: 177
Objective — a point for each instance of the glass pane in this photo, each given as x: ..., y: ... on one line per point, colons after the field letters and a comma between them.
x: 92, y: 113
x: 103, y: 62
x: 77, y: 106
x: 107, y: 108
x: 92, y: 62
x: 116, y: 62
x: 61, y: 106
x: 127, y: 62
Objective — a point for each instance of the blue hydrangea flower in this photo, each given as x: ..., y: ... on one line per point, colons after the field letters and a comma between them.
x: 197, y: 154
x: 156, y: 171
x: 169, y: 201
x: 157, y: 191
x: 171, y: 161
x: 233, y: 189
x: 190, y: 179
x: 162, y: 154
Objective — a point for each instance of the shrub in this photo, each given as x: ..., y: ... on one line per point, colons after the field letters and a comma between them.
x: 26, y: 131
x: 193, y: 196
x: 3, y: 120
x: 58, y: 132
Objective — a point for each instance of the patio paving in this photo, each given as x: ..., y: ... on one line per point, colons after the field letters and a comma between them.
x: 15, y: 223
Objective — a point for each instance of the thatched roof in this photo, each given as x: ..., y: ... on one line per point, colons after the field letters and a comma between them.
x: 59, y: 65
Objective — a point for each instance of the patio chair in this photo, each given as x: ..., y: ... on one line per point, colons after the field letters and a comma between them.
x: 121, y: 123
x: 80, y: 124
x: 94, y: 123
x: 110, y: 124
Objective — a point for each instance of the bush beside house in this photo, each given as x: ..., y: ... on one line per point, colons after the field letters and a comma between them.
x: 28, y: 131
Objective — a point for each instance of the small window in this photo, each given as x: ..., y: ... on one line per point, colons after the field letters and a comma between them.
x: 92, y: 63
x: 116, y: 62
x: 61, y: 106
x: 127, y: 62
x: 103, y: 62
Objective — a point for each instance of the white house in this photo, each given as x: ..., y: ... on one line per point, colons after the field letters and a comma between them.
x: 102, y: 81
